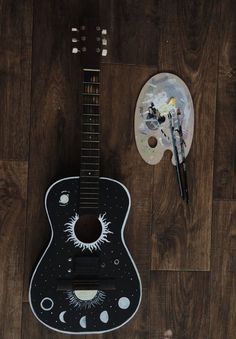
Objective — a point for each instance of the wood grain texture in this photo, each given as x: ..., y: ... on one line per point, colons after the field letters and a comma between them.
x: 223, y: 275
x: 180, y: 303
x: 13, y: 187
x: 15, y: 78
x: 188, y: 47
x: 162, y: 233
x: 135, y: 27
x: 225, y: 141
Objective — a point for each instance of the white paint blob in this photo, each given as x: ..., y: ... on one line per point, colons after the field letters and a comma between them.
x: 64, y: 199
x: 47, y: 304
x: 104, y: 317
x: 61, y: 316
x: 123, y: 303
x: 83, y: 322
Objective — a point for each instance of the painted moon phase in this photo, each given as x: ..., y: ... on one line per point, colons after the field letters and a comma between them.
x: 85, y: 294
x: 83, y: 322
x: 61, y: 316
x: 124, y: 303
x: 46, y: 304
x: 104, y: 317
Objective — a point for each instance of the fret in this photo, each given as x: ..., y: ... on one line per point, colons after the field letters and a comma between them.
x: 88, y: 145
x: 90, y: 124
x: 91, y: 83
x: 90, y: 156
x: 90, y: 163
x: 97, y: 105
x: 90, y: 132
x: 91, y: 69
x: 91, y: 189
x: 91, y: 138
x: 88, y: 141
x: 89, y: 186
x: 90, y: 150
x: 92, y: 116
x: 91, y: 94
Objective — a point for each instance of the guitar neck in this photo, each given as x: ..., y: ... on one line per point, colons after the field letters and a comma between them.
x: 90, y: 139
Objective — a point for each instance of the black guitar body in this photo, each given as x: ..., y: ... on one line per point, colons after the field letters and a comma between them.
x: 85, y: 287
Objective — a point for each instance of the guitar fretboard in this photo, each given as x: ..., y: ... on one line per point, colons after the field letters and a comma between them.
x: 90, y: 141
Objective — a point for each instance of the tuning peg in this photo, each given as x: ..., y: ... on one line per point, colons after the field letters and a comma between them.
x: 75, y: 50
x: 74, y: 40
x: 104, y: 42
x: 104, y: 32
x: 98, y: 50
x: 74, y: 29
x: 104, y: 52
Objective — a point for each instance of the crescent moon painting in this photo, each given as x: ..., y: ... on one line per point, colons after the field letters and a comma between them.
x: 61, y: 316
x: 83, y: 322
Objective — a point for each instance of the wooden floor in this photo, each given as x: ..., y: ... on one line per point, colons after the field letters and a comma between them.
x: 186, y: 254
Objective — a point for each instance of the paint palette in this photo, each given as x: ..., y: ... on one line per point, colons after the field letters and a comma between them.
x: 162, y: 96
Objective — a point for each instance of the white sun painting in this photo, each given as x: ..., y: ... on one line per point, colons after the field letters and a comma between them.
x: 70, y: 230
x: 85, y: 299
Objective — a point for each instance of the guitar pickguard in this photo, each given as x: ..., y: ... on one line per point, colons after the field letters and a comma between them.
x: 85, y: 311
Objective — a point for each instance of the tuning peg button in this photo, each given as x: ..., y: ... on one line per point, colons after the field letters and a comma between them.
x: 104, y: 42
x: 74, y: 40
x: 74, y: 29
x: 104, y: 32
x: 104, y: 52
x: 75, y: 50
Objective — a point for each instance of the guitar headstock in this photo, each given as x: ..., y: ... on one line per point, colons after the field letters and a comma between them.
x: 89, y: 42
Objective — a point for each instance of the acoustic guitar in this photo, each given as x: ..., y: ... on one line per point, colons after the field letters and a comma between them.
x: 86, y: 280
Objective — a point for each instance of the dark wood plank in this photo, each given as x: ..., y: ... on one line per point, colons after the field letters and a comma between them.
x: 135, y: 27
x: 13, y: 194
x: 225, y: 141
x: 223, y: 276
x: 179, y: 304
x: 181, y: 234
x: 15, y: 78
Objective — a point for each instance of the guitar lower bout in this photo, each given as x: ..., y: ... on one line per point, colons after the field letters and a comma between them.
x: 86, y: 281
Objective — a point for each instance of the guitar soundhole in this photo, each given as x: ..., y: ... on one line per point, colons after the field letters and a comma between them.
x: 88, y: 228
